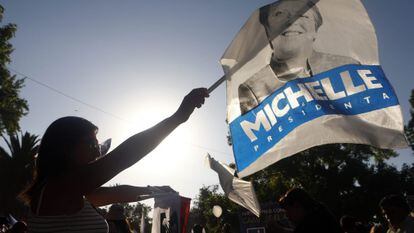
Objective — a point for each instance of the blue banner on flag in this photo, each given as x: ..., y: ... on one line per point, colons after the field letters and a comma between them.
x: 345, y: 90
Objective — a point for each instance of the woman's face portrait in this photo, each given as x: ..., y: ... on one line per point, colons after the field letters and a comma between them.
x: 297, y: 39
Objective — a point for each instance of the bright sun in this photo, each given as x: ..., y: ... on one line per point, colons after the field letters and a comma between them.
x: 178, y: 142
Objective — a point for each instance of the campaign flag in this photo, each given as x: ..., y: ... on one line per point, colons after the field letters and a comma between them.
x: 302, y: 73
x: 237, y: 190
x: 184, y: 213
x: 170, y: 213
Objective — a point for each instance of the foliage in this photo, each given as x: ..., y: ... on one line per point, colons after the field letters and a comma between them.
x: 202, y: 211
x: 16, y: 169
x: 349, y: 179
x: 134, y: 214
x: 409, y: 129
x: 12, y: 107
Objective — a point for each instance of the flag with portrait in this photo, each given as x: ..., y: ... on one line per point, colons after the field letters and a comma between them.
x: 302, y: 73
x: 170, y: 214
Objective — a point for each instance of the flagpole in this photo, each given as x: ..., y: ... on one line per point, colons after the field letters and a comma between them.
x: 216, y: 84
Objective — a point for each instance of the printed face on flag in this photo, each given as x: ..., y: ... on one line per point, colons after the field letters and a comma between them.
x: 291, y: 32
x: 308, y: 70
x: 291, y: 28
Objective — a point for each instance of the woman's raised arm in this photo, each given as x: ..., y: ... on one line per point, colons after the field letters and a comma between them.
x: 93, y: 175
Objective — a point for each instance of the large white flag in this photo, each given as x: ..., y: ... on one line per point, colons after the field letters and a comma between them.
x: 302, y: 73
x: 237, y: 190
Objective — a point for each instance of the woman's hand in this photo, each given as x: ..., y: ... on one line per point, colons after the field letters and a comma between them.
x: 191, y: 101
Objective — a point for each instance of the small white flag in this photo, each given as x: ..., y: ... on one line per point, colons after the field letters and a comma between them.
x: 237, y: 190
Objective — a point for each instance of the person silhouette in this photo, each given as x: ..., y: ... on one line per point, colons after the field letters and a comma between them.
x: 70, y: 171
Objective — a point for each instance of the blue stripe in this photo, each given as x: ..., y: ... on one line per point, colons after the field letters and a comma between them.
x: 362, y: 102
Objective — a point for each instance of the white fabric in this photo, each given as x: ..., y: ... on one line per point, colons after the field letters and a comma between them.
x: 325, y: 133
x: 237, y: 190
x: 346, y: 40
x: 168, y: 205
x: 347, y: 31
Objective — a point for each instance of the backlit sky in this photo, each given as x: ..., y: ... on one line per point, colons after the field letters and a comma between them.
x: 137, y: 59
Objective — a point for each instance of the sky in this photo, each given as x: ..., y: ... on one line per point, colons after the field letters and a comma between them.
x: 126, y: 65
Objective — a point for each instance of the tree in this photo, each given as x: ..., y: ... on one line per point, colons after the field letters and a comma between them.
x: 12, y: 107
x: 349, y: 179
x: 134, y: 214
x: 202, y: 213
x: 409, y: 128
x: 16, y: 169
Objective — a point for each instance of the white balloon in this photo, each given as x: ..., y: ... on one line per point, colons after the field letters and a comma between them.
x: 217, y: 211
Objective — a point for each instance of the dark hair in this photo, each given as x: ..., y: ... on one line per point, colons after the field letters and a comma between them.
x: 395, y: 201
x: 264, y: 13
x: 55, y: 147
x: 298, y: 195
